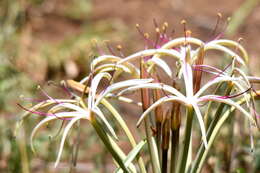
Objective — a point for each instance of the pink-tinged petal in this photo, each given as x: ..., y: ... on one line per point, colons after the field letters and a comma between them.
x: 226, y: 101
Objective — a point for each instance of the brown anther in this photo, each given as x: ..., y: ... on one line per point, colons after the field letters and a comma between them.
x: 157, y: 30
x: 228, y: 19
x: 219, y: 15
x: 119, y: 47
x: 163, y: 28
x: 183, y: 22
x: 165, y: 24
x: 240, y: 39
x: 188, y: 33
x: 146, y: 35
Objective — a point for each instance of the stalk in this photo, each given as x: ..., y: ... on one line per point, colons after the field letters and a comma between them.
x: 126, y: 130
x: 210, y: 130
x: 23, y: 151
x: 165, y: 144
x: 175, y: 131
x: 103, y: 136
x: 186, y: 141
x: 158, y: 122
x: 153, y: 151
x: 215, y: 131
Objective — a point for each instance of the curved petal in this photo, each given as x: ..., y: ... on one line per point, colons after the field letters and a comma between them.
x: 119, y: 85
x: 93, y: 89
x: 157, y: 103
x: 48, y: 119
x: 154, y: 86
x: 231, y: 43
x: 179, y: 41
x: 215, y: 81
x: 65, y: 133
x: 104, y: 58
x: 150, y: 52
x: 164, y: 66
x: 229, y: 102
x: 201, y: 123
x: 213, y: 46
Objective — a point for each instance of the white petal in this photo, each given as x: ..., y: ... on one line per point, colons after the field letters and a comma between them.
x: 119, y: 85
x: 65, y: 133
x: 201, y: 123
x: 164, y: 87
x: 157, y: 103
x: 164, y: 66
x: 229, y: 102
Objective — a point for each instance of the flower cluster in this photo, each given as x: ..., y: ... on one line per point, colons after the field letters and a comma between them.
x: 188, y: 90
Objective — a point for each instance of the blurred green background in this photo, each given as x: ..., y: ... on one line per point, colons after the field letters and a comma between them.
x: 51, y: 40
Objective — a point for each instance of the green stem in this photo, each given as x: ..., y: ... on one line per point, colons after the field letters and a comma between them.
x: 186, y: 141
x: 152, y: 147
x: 158, y: 139
x: 103, y: 136
x: 210, y: 130
x: 126, y: 130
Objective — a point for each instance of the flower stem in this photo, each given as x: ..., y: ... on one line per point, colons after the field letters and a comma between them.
x: 153, y: 150
x: 165, y: 144
x: 152, y: 147
x: 105, y: 139
x: 186, y: 142
x: 210, y: 130
x: 174, y: 149
x: 126, y: 130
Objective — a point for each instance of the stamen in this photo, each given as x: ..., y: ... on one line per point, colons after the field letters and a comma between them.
x: 42, y: 113
x: 224, y: 29
x: 109, y: 47
x: 163, y: 34
x: 220, y: 73
x: 240, y: 40
x: 183, y: 22
x: 45, y: 94
x: 31, y: 99
x: 95, y: 45
x: 60, y: 86
x: 219, y: 17
x: 158, y: 35
x: 155, y: 23
x: 119, y: 49
x: 145, y: 36
x: 235, y: 95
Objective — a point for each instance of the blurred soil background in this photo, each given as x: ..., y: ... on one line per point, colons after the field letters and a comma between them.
x: 51, y: 40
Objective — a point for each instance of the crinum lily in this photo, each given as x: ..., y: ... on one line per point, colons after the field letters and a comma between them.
x: 188, y: 52
x: 186, y: 56
x: 182, y: 50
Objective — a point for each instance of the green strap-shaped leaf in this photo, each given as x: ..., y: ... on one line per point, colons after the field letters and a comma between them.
x: 132, y: 155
